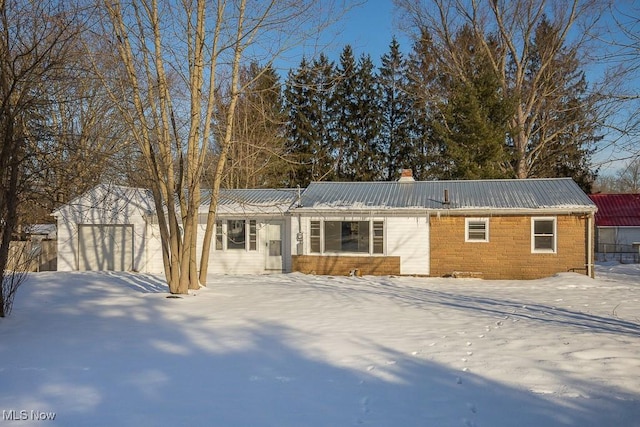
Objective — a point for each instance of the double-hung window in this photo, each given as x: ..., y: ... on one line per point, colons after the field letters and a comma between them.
x: 476, y: 230
x: 543, y: 235
x: 358, y: 237
x: 236, y: 234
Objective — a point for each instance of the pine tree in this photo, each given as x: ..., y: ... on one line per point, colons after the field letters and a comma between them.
x: 308, y: 95
x: 366, y: 150
x: 400, y: 150
x: 256, y: 159
x: 472, y: 125
x: 356, y: 125
x: 344, y: 113
x: 423, y: 92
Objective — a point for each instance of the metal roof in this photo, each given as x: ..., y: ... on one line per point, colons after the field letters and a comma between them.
x: 256, y: 201
x: 621, y: 210
x: 561, y: 194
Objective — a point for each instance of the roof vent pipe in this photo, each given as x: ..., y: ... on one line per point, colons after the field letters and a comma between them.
x: 446, y: 196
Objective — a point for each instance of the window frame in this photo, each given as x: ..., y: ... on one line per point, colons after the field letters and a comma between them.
x: 553, y: 235
x: 315, y: 240
x: 251, y: 235
x: 467, y: 237
x: 374, y: 242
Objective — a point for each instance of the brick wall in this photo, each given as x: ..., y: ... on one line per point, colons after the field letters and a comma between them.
x: 507, y: 255
x: 343, y: 265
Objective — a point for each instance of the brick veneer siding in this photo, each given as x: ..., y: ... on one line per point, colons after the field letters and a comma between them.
x: 507, y: 255
x: 340, y: 265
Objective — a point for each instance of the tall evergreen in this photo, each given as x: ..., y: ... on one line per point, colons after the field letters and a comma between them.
x: 395, y: 106
x: 471, y: 127
x: 308, y: 94
x: 356, y: 127
x: 423, y: 92
x: 366, y: 151
x: 344, y: 115
x: 256, y: 158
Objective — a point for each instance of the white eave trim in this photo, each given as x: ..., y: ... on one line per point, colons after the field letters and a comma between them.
x: 575, y: 210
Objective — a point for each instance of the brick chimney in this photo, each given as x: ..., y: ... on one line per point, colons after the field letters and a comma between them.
x: 406, y: 176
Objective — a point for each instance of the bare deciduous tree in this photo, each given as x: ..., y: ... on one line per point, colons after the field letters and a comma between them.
x: 175, y: 55
x: 35, y: 41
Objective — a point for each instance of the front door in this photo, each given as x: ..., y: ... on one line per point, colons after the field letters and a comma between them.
x: 274, y: 246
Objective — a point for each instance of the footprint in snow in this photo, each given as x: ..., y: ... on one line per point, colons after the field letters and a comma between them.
x: 364, y: 403
x: 468, y: 423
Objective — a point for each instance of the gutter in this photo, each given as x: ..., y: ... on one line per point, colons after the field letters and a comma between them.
x: 423, y: 212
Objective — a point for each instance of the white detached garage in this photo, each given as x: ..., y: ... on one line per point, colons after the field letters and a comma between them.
x: 104, y: 229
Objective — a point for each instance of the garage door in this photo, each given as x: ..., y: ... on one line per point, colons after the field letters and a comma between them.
x: 105, y: 247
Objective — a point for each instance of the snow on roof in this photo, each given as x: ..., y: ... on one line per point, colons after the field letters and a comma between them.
x: 622, y: 210
x: 254, y: 201
x: 230, y: 201
x: 526, y: 194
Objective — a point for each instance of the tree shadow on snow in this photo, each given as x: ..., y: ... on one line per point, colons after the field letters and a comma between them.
x: 425, y: 298
x: 149, y: 361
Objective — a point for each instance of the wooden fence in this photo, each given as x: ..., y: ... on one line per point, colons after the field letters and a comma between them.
x: 32, y: 255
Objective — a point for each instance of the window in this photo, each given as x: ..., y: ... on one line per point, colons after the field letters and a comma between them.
x: 378, y: 237
x: 232, y: 235
x: 543, y: 235
x: 314, y: 237
x: 365, y: 237
x: 235, y: 234
x: 218, y: 235
x: 253, y: 236
x: 476, y: 230
x: 346, y: 236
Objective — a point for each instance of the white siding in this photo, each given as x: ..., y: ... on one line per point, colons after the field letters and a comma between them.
x: 408, y: 238
x: 67, y: 238
x: 236, y: 261
x: 89, y: 210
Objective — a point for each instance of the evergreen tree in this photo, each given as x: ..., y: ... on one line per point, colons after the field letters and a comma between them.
x: 366, y: 151
x: 356, y: 125
x: 256, y: 158
x: 395, y: 104
x: 423, y: 91
x: 308, y: 97
x: 473, y: 120
x: 344, y: 114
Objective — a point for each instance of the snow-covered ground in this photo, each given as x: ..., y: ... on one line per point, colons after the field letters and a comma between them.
x: 109, y: 349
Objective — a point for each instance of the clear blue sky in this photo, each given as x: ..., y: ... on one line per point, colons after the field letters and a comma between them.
x: 367, y: 25
x: 369, y: 28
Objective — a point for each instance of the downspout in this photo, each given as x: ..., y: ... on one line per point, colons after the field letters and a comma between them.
x: 590, y: 255
x: 299, y: 236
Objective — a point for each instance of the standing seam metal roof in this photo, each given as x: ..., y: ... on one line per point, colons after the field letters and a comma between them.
x: 252, y: 200
x: 617, y: 210
x: 552, y: 193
